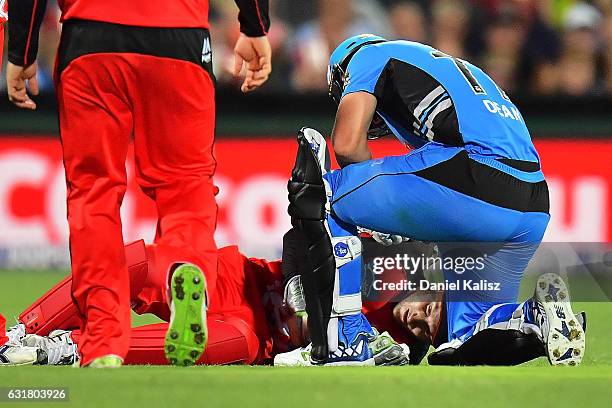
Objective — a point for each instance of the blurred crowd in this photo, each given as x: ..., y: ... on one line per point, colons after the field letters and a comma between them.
x: 544, y: 47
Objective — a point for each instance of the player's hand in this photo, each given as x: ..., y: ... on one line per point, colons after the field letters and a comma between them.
x: 254, y: 54
x: 18, y: 81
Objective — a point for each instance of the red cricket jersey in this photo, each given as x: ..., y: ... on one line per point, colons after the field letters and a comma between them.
x: 27, y: 16
x: 143, y: 13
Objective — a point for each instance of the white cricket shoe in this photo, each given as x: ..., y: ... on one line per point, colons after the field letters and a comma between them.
x: 16, y: 333
x: 17, y: 354
x: 300, y: 357
x: 562, y: 332
x: 59, y: 347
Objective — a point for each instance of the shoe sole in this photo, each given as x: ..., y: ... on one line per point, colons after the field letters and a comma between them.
x: 368, y: 362
x: 565, y: 341
x: 106, y: 363
x: 187, y: 332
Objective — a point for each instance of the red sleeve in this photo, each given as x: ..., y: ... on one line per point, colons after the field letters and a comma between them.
x: 254, y: 17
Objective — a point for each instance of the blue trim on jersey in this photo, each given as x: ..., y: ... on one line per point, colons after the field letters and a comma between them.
x: 428, y: 112
x: 432, y: 106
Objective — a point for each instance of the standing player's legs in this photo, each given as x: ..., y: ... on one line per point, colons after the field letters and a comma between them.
x: 95, y: 126
x: 173, y: 138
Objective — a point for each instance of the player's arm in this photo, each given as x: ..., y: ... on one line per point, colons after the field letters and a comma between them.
x: 26, y: 18
x: 252, y: 50
x: 349, y: 138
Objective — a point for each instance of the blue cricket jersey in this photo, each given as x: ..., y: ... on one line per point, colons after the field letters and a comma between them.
x: 425, y: 95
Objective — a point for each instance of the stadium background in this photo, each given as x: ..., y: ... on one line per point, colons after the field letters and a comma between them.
x: 553, y: 57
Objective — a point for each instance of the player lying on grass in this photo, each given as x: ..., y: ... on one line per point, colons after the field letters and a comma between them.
x: 247, y: 321
x: 254, y: 324
x: 474, y: 177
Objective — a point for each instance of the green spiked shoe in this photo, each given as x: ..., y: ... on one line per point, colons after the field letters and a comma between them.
x: 187, y: 333
x: 109, y: 361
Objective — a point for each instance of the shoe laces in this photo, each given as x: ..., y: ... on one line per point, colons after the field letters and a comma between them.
x: 60, y: 348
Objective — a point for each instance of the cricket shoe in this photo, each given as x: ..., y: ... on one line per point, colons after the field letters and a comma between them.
x: 383, y: 350
x: 187, y: 332
x: 17, y: 354
x: 59, y: 346
x: 16, y: 333
x: 14, y: 352
x: 562, y: 332
x: 108, y: 361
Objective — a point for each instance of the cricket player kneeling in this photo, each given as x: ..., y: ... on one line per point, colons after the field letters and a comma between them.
x: 474, y: 176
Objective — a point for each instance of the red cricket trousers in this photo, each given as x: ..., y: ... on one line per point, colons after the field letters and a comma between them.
x: 167, y: 106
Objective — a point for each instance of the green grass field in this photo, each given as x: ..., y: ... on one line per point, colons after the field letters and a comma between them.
x: 534, y: 384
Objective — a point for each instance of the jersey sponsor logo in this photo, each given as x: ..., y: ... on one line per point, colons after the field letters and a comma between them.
x: 206, y: 51
x: 341, y: 250
x: 502, y: 110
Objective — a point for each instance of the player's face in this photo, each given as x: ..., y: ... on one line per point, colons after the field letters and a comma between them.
x: 420, y: 314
